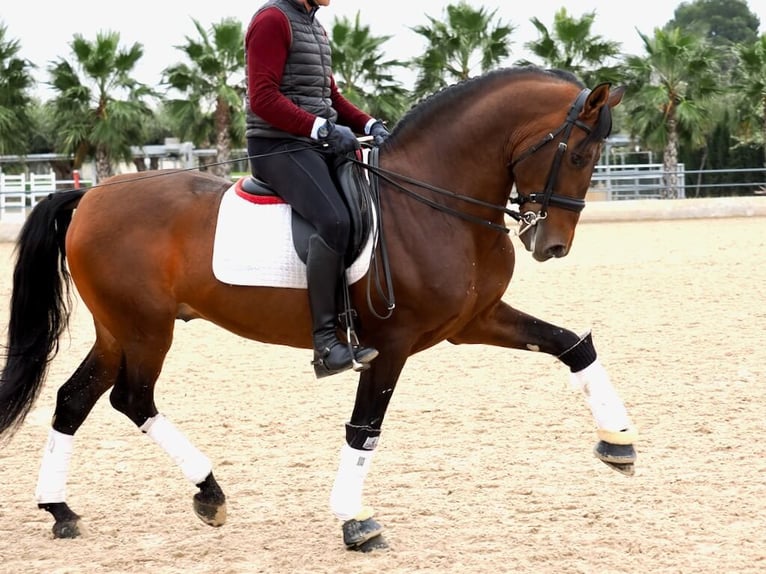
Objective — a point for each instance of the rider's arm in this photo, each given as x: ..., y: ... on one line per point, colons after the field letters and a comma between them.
x: 348, y: 114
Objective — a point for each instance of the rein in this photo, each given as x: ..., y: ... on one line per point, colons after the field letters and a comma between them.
x: 545, y: 199
x: 528, y: 219
x: 392, y: 177
x: 379, y: 239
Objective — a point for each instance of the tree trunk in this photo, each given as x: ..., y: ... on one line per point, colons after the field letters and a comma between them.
x: 62, y: 168
x: 764, y: 130
x: 703, y: 161
x: 103, y: 165
x: 223, y: 141
x: 670, y: 163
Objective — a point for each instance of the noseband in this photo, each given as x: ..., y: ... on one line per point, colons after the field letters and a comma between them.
x: 547, y: 197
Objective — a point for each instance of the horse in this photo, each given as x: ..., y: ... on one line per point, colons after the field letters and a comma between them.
x: 516, y: 143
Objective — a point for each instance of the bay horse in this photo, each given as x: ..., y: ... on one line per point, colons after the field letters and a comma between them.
x: 139, y: 250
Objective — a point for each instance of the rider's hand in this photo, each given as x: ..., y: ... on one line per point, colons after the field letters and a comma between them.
x: 379, y: 133
x: 339, y: 139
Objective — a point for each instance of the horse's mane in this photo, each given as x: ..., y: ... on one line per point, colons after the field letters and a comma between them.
x: 440, y: 104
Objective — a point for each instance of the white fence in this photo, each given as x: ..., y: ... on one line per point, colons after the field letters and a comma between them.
x: 20, y: 193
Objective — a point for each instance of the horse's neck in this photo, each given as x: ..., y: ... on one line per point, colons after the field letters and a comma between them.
x: 448, y: 160
x: 449, y: 175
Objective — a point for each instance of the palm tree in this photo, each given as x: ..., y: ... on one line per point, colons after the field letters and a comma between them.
x: 750, y: 79
x: 211, y: 109
x: 468, y: 43
x: 570, y: 45
x: 15, y: 100
x: 98, y: 108
x: 363, y: 76
x: 671, y: 91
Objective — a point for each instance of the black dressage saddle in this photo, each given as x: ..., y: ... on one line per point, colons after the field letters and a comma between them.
x: 354, y: 188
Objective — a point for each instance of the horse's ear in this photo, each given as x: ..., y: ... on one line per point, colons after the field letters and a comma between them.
x: 615, y: 96
x: 600, y: 96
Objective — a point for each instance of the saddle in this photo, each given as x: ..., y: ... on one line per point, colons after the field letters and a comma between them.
x: 354, y: 188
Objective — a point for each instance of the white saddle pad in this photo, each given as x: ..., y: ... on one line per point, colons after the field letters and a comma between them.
x: 253, y: 244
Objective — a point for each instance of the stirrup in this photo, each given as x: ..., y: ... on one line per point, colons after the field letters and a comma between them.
x: 321, y: 370
x: 363, y: 356
x: 360, y: 356
x: 358, y: 363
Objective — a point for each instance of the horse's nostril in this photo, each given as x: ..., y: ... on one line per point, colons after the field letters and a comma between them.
x: 557, y: 250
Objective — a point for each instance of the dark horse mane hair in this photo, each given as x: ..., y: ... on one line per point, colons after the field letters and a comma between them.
x: 440, y: 103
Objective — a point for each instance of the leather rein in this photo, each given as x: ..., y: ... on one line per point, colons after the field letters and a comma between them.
x: 528, y: 219
x: 380, y: 270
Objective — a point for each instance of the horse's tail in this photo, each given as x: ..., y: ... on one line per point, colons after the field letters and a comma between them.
x: 40, y: 303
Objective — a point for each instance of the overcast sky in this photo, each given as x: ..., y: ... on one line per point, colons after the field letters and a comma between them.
x: 45, y: 30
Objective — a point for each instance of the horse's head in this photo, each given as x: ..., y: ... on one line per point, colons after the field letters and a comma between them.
x: 552, y: 172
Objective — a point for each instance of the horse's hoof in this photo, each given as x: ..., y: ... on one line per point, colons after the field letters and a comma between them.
x: 371, y: 545
x: 626, y: 469
x: 211, y: 513
x: 359, y: 534
x: 66, y: 529
x: 620, y: 457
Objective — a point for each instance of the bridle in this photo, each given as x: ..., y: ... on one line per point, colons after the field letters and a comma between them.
x: 528, y: 219
x: 547, y: 198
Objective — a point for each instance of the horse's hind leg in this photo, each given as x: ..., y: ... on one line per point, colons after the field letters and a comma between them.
x: 74, y: 401
x: 133, y: 395
x: 504, y: 326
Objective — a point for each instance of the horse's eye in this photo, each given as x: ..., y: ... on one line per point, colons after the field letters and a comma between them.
x: 578, y: 160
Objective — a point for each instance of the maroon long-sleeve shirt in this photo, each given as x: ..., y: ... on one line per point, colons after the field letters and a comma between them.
x: 267, y: 44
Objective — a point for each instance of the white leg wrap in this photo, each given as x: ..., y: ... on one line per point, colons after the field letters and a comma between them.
x: 195, y: 465
x: 346, y: 495
x: 54, y: 468
x: 604, y: 402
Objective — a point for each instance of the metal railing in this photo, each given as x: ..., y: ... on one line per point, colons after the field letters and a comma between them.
x: 648, y: 181
x: 635, y: 181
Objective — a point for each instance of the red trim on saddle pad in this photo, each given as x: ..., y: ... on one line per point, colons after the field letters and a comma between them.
x: 257, y: 199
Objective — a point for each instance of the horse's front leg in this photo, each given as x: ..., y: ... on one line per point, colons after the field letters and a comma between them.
x: 504, y: 326
x: 361, y: 531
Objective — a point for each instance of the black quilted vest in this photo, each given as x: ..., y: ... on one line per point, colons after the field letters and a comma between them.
x: 308, y: 69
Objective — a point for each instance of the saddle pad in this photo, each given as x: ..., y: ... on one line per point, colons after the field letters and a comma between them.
x: 253, y: 245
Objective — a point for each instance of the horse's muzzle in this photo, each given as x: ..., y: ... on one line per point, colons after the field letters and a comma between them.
x: 541, y: 247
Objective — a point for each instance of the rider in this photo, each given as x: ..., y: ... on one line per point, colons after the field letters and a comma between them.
x: 295, y: 116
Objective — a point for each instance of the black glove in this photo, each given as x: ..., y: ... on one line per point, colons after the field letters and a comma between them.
x: 379, y: 133
x: 339, y: 139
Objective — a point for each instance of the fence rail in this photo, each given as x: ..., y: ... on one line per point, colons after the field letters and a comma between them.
x: 649, y: 181
x: 17, y: 201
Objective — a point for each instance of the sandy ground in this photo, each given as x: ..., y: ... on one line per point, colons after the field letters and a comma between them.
x: 485, y: 462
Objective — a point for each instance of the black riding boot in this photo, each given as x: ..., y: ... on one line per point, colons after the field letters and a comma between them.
x: 323, y: 272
